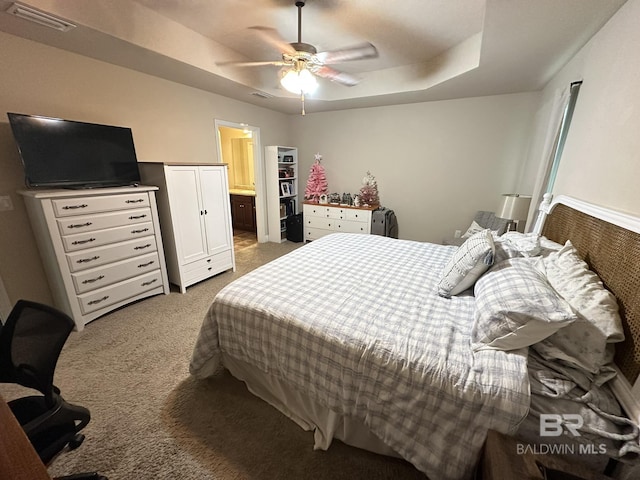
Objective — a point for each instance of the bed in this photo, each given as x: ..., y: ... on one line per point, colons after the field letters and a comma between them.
x: 348, y: 337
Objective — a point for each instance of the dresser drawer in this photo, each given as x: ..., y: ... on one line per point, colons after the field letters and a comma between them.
x: 207, y: 267
x: 358, y: 216
x: 320, y: 222
x: 66, y: 207
x: 118, y: 292
x: 101, y: 221
x: 315, y: 210
x: 337, y: 213
x: 99, y: 277
x: 93, y: 257
x: 351, y: 227
x: 315, y: 233
x: 104, y: 237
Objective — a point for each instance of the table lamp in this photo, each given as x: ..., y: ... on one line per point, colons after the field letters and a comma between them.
x: 515, y: 208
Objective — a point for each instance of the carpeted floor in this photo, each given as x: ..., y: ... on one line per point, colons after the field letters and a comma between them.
x: 152, y: 420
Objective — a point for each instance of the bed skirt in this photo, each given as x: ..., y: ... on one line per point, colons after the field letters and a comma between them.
x: 308, y: 414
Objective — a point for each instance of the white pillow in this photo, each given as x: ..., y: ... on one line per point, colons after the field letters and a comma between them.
x: 587, y: 343
x: 473, y: 228
x: 516, y: 307
x: 468, y: 263
x: 516, y: 244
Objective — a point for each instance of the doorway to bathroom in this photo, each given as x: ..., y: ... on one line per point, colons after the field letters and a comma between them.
x: 239, y: 147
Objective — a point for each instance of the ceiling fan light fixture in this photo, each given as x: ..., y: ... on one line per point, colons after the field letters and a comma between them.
x: 299, y: 81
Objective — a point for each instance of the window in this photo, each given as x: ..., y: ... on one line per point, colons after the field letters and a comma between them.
x: 561, y: 137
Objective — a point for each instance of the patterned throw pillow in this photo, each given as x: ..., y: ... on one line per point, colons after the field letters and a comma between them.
x: 516, y: 307
x: 471, y: 260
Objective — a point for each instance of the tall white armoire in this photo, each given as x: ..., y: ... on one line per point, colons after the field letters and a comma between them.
x: 195, y: 219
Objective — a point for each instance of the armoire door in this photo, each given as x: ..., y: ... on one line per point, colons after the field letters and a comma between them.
x: 215, y: 200
x: 187, y: 213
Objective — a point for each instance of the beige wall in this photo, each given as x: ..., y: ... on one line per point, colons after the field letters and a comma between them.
x: 170, y: 122
x: 601, y: 160
x: 436, y: 163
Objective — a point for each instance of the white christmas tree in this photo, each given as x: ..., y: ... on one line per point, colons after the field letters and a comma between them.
x: 317, y: 182
x: 369, y: 191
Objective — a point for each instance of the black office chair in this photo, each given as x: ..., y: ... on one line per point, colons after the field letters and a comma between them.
x: 30, y: 344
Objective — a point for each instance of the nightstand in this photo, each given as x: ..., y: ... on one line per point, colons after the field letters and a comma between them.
x: 501, y: 461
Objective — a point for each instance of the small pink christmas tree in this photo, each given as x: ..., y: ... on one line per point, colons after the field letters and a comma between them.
x: 317, y: 182
x: 369, y: 191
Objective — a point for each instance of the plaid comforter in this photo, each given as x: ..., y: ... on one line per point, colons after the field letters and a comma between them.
x: 355, y: 322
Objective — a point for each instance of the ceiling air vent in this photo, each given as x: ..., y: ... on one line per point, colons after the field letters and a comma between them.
x: 261, y: 94
x: 41, y: 18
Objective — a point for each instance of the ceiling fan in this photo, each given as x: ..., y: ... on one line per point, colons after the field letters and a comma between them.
x: 301, y: 61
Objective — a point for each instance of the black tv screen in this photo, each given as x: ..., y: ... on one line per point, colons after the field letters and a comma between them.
x: 70, y: 154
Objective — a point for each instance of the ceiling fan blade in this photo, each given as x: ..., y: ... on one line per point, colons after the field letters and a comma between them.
x: 336, y: 76
x: 277, y: 63
x: 357, y: 52
x: 271, y: 36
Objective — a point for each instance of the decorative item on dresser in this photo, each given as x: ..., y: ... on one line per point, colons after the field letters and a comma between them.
x: 321, y: 220
x: 282, y: 189
x: 195, y: 216
x: 317, y: 181
x: 101, y: 249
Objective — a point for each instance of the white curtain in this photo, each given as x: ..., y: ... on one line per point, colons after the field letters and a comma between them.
x: 559, y: 106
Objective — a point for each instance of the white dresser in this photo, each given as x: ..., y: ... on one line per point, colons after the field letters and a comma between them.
x: 320, y: 220
x: 101, y: 248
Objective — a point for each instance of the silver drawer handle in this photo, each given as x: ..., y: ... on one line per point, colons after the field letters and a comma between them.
x: 92, y: 280
x: 134, y: 201
x: 73, y: 207
x: 82, y: 242
x: 145, y: 284
x: 140, y: 231
x: 135, y: 217
x: 94, y: 302
x: 80, y: 225
x: 85, y: 260
x: 142, y: 265
x: 140, y: 247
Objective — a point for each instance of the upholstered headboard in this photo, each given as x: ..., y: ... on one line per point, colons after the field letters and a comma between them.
x: 610, y: 244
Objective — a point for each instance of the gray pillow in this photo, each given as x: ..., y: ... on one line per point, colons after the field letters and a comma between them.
x: 468, y: 263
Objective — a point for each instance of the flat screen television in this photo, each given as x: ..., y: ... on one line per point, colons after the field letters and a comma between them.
x: 60, y: 153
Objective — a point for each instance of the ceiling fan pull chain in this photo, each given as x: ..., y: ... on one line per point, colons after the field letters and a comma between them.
x: 302, y: 100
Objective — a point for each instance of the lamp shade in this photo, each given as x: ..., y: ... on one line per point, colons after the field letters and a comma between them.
x: 514, y: 206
